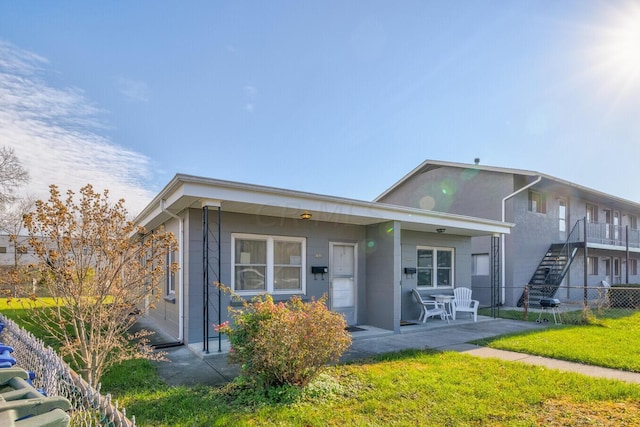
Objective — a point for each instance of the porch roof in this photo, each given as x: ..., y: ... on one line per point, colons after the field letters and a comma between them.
x: 187, y: 191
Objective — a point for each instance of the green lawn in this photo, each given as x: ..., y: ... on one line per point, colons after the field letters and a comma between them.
x: 608, y: 342
x: 414, y: 388
x: 410, y: 388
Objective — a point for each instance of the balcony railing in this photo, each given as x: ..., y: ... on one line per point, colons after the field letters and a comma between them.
x: 608, y: 234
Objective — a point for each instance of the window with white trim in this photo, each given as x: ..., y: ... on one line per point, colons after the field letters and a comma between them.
x: 592, y: 265
x: 592, y: 213
x: 633, y: 266
x: 537, y: 202
x: 480, y: 264
x: 170, y: 276
x: 435, y: 267
x: 273, y: 264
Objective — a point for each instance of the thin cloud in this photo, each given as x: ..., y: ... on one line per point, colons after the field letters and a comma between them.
x: 56, y: 134
x: 134, y: 90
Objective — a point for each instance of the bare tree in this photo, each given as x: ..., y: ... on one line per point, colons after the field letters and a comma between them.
x: 100, y: 270
x: 12, y: 174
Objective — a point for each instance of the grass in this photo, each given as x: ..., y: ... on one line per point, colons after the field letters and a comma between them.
x: 608, y: 341
x: 413, y: 388
x: 407, y: 388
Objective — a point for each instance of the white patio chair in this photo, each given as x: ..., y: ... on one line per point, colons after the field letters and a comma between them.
x: 429, y: 308
x: 462, y: 302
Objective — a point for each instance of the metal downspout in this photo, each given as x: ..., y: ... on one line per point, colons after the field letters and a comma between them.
x: 502, y: 248
x: 181, y: 271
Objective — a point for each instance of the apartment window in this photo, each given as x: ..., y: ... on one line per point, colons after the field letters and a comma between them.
x: 169, y: 275
x: 633, y: 222
x: 616, y: 267
x: 562, y: 215
x: 633, y: 267
x: 592, y: 213
x: 607, y: 267
x: 537, y: 202
x: 435, y: 267
x: 272, y: 264
x: 3, y: 249
x: 480, y: 264
x: 592, y: 265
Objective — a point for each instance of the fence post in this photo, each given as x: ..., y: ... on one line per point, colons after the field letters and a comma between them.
x: 526, y: 302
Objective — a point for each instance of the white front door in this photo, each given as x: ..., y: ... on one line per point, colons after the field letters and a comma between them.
x: 343, y: 280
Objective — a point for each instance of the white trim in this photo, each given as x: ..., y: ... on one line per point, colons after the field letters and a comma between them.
x: 269, y: 263
x: 186, y: 191
x: 181, y: 299
x: 355, y: 275
x: 434, y: 273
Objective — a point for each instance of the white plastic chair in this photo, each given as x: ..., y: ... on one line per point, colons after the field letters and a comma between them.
x: 462, y: 302
x: 429, y: 308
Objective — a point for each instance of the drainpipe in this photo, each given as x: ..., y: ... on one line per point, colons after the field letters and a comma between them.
x: 181, y: 273
x: 502, y: 252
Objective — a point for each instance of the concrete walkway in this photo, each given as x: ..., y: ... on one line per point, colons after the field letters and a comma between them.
x: 189, y: 366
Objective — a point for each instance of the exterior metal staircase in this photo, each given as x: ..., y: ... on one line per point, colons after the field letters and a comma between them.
x: 552, y: 269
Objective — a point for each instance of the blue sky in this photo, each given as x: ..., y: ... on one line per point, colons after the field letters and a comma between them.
x: 332, y: 97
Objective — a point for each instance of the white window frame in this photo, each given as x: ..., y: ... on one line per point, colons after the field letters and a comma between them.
x: 434, y: 269
x: 537, y: 202
x: 592, y: 265
x: 270, y: 265
x: 485, y: 264
x: 633, y: 267
x: 562, y: 215
x: 591, y: 213
x: 170, y: 275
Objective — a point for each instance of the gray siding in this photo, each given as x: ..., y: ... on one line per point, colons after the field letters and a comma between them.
x: 462, y: 266
x: 382, y: 251
x: 479, y: 193
x: 166, y: 309
x: 454, y: 190
x: 317, y: 234
x: 383, y: 276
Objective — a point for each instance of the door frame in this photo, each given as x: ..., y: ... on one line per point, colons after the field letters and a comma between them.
x: 355, y: 275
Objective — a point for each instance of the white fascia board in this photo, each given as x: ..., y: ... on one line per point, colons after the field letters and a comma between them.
x: 291, y: 200
x: 183, y: 190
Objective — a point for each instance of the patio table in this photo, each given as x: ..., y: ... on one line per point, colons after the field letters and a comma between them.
x: 446, y: 301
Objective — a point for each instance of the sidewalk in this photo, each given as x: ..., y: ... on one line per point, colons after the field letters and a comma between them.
x: 189, y: 368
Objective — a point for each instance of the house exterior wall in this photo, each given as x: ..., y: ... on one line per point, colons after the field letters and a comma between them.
x: 318, y: 236
x: 460, y: 191
x: 383, y: 276
x: 462, y: 266
x: 480, y: 192
x: 383, y: 293
x: 166, y: 310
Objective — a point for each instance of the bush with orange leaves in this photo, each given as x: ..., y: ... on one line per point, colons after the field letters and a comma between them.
x: 285, y: 343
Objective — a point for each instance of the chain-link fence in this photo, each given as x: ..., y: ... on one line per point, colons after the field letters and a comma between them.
x: 570, y: 304
x: 53, y: 375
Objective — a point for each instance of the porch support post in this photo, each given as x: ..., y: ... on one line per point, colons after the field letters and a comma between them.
x: 495, y: 275
x: 626, y: 239
x: 219, y: 278
x: 205, y: 279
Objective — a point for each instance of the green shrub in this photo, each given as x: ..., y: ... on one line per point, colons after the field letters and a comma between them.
x: 284, y: 343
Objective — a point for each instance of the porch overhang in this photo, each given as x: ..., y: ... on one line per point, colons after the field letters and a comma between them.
x: 186, y: 191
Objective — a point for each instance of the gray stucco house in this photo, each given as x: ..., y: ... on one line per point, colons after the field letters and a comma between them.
x: 565, y: 234
x: 257, y: 239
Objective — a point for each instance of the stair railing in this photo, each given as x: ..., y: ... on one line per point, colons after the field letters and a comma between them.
x: 568, y: 250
